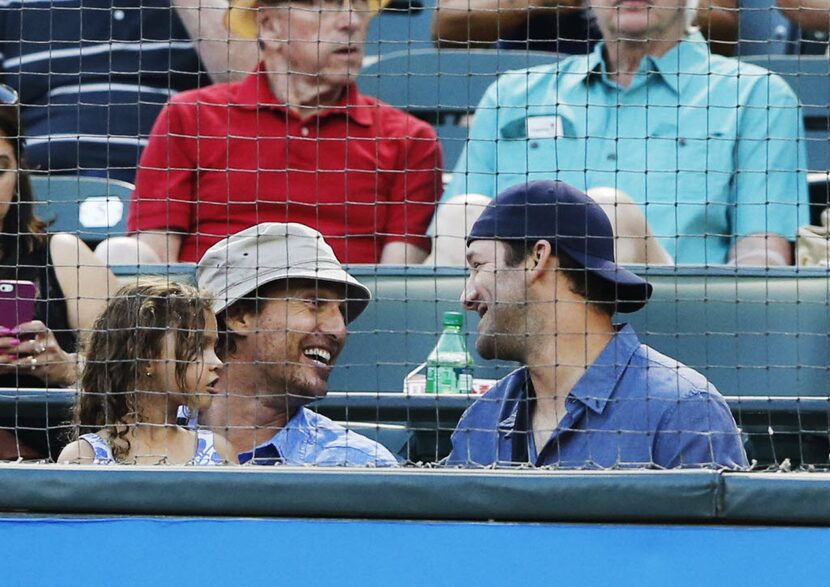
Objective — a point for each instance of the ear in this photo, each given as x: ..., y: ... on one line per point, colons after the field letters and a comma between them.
x: 240, y: 323
x: 270, y: 27
x: 540, y: 262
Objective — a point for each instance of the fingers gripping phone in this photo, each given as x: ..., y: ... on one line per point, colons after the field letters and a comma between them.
x: 17, y: 302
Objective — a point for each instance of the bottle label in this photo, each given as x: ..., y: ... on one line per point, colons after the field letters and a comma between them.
x: 449, y: 379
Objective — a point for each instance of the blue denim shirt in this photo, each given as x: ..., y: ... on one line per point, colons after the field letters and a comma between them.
x: 633, y: 407
x: 312, y: 439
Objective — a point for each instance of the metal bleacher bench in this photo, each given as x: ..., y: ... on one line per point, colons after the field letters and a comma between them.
x: 761, y: 336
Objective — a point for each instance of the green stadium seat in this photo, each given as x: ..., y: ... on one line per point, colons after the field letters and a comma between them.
x: 764, y: 30
x: 92, y: 208
x: 402, y: 25
x: 751, y: 332
x: 809, y: 77
x: 442, y: 86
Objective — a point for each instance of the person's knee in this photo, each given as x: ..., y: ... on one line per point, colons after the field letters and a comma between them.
x: 626, y: 216
x: 125, y: 250
x: 634, y: 241
x: 451, y: 224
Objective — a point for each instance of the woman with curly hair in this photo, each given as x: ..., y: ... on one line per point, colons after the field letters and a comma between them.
x: 151, y: 351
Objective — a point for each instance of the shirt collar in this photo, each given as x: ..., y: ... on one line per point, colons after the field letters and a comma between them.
x: 254, y: 93
x: 594, y: 389
x: 680, y: 64
x: 285, y: 444
x: 597, y: 384
x: 687, y: 57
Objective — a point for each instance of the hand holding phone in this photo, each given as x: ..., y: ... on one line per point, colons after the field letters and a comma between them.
x: 17, y: 302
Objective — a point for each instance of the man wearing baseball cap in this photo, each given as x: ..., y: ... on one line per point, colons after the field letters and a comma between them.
x: 545, y: 284
x: 294, y: 141
x: 282, y: 304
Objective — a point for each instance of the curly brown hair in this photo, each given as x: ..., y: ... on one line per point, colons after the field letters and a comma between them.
x: 125, y: 338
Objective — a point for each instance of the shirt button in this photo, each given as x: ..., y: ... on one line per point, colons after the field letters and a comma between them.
x: 304, y: 131
x: 118, y: 15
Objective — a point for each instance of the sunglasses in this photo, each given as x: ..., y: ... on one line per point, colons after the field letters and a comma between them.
x: 9, y: 96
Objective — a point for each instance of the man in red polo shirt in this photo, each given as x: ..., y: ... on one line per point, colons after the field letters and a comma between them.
x: 293, y: 142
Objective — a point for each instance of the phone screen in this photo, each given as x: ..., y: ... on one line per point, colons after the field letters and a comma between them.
x: 17, y: 302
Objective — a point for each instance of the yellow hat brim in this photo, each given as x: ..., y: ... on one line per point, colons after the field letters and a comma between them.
x: 240, y: 18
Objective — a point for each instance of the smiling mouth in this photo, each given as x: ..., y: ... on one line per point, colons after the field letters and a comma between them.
x: 318, y: 355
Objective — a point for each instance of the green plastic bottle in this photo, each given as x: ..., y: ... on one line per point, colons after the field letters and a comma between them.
x: 449, y: 365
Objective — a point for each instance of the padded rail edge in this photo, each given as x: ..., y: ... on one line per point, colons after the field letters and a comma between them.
x: 616, y: 496
x: 526, y: 496
x: 777, y: 498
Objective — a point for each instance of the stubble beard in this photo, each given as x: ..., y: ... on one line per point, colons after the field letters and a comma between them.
x: 288, y: 389
x: 504, y: 339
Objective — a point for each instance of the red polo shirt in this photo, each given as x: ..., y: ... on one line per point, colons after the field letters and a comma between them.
x: 225, y: 157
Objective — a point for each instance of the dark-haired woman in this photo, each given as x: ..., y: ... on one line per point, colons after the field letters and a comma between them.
x: 72, y: 284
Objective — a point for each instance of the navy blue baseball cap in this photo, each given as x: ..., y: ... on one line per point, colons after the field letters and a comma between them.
x: 572, y: 222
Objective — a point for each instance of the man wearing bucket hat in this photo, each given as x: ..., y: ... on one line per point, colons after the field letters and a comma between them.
x: 282, y: 304
x: 545, y: 284
x: 294, y: 141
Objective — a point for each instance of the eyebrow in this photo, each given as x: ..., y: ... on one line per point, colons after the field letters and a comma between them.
x: 320, y: 294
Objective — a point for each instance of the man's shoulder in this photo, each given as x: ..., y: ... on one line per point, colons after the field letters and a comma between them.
x: 731, y: 75
x: 528, y: 85
x: 669, y: 378
x: 337, y: 443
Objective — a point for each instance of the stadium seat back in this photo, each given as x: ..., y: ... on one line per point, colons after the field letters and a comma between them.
x: 753, y: 335
x: 92, y: 208
x: 809, y: 77
x: 442, y: 87
x: 404, y: 25
x: 763, y: 30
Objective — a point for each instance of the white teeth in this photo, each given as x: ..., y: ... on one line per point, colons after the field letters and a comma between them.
x: 319, y: 355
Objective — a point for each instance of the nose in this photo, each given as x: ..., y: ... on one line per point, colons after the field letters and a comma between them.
x: 469, y: 295
x: 213, y: 361
x: 332, y: 322
x: 352, y: 15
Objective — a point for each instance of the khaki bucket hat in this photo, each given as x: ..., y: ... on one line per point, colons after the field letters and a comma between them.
x: 239, y: 264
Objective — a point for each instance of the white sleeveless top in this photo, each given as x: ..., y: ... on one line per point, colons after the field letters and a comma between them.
x: 205, y: 450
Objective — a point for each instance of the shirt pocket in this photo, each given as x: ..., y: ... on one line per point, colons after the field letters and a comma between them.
x: 695, y: 168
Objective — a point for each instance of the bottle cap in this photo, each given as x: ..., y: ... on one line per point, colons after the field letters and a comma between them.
x: 454, y: 319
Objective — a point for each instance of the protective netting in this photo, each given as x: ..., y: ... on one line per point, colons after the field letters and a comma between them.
x: 153, y: 133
